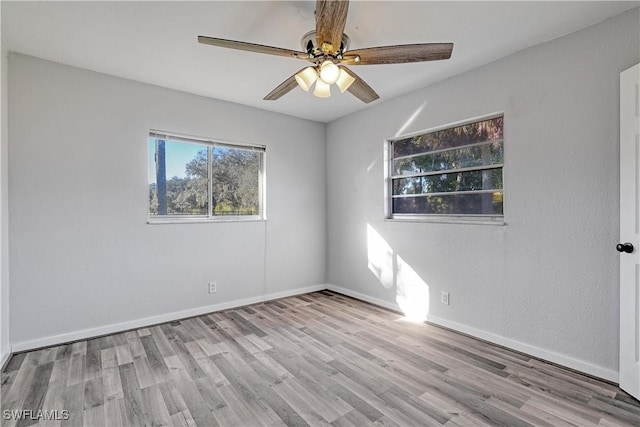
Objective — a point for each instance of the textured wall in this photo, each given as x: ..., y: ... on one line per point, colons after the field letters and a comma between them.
x: 4, y: 217
x: 82, y: 254
x: 547, y: 281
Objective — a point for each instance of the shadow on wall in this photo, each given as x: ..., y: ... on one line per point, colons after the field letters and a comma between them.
x: 412, y: 293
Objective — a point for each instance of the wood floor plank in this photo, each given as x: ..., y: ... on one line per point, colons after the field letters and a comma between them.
x: 155, y: 360
x: 15, y: 362
x: 238, y: 407
x: 157, y: 412
x: 352, y: 418
x: 192, y: 398
x: 211, y: 371
x: 111, y: 383
x: 307, y: 378
x: 216, y: 403
x: 258, y: 342
x: 161, y: 341
x: 243, y: 380
x: 123, y: 354
x: 183, y: 419
x: 38, y: 391
x: 76, y: 369
x: 309, y: 360
x: 94, y: 416
x: 93, y: 360
x: 135, y: 345
x: 79, y: 347
x: 303, y: 407
x: 74, y: 403
x: 134, y: 413
x: 93, y: 393
x: 114, y: 412
x: 143, y: 372
x: 17, y: 390
x: 516, y: 412
x: 53, y: 400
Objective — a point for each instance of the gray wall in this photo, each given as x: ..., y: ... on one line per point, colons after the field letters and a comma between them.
x: 83, y: 259
x: 547, y: 281
x: 5, y: 348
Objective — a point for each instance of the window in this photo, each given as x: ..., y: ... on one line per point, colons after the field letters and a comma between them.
x: 455, y: 171
x: 197, y: 179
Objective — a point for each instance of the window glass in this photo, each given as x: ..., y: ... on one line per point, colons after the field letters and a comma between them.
x: 451, y: 171
x: 203, y: 179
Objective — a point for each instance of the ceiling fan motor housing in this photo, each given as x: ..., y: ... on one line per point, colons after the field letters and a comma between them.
x: 308, y: 43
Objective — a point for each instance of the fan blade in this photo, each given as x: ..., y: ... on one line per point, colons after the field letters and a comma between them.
x: 360, y: 89
x: 282, y: 89
x: 399, y: 54
x: 252, y: 47
x: 331, y: 17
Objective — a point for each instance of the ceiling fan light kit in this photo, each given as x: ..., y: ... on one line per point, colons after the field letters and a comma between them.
x: 322, y: 90
x: 344, y: 80
x: 306, y: 77
x: 329, y: 53
x: 329, y: 72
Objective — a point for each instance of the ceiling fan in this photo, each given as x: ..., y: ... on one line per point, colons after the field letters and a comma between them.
x: 326, y: 48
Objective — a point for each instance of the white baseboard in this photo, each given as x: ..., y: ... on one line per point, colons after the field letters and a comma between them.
x: 153, y: 320
x: 538, y: 352
x: 4, y: 356
x: 363, y: 297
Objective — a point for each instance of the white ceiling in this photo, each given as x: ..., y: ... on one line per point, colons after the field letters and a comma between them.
x: 155, y: 42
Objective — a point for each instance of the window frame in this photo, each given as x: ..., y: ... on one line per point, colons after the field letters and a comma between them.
x: 389, y: 176
x: 210, y: 143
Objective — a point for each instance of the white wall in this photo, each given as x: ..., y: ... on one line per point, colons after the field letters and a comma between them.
x: 83, y: 259
x: 547, y: 282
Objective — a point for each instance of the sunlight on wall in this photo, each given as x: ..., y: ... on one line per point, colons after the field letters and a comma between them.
x: 411, y: 119
x: 371, y: 165
x: 380, y: 257
x: 412, y: 293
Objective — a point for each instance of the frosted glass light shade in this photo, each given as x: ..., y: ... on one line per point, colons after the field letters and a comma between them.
x: 329, y: 72
x: 344, y: 80
x: 306, y: 77
x: 322, y: 89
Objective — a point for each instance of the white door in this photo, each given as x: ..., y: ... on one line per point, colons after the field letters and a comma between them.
x: 629, y: 246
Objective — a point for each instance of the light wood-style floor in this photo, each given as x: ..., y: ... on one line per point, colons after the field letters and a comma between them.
x: 314, y: 359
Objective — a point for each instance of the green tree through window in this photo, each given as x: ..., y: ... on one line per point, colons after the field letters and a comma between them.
x: 452, y: 171
x: 207, y: 179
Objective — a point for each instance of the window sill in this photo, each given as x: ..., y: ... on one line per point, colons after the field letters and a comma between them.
x: 157, y: 221
x: 469, y: 220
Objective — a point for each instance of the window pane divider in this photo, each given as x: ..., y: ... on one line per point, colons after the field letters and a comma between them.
x: 442, y: 150
x: 445, y: 193
x: 447, y: 171
x: 210, y: 181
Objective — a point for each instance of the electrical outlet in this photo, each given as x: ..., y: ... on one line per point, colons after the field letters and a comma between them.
x: 212, y: 287
x: 444, y: 297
